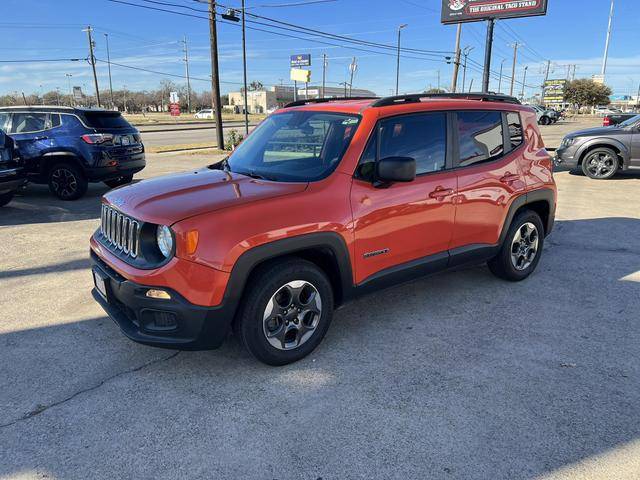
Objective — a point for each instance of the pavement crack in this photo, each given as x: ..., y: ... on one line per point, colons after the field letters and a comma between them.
x: 43, y: 408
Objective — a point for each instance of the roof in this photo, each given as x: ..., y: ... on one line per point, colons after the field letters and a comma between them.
x: 54, y: 108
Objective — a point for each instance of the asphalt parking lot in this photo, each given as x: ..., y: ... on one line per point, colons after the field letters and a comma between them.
x: 457, y: 376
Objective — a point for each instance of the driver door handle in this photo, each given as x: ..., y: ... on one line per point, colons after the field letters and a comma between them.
x: 439, y: 193
x: 509, y: 178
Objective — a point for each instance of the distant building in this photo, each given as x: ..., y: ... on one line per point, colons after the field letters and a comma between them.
x: 267, y: 100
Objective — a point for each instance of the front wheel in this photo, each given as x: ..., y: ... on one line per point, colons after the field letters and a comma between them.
x: 117, y: 182
x: 521, y: 250
x: 600, y: 164
x: 286, y: 311
x: 545, y: 121
x: 5, y: 198
x: 67, y: 182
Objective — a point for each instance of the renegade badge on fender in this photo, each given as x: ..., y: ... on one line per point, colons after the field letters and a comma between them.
x: 324, y: 201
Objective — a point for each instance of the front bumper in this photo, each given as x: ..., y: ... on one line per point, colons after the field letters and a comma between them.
x: 174, y: 323
x: 567, y: 156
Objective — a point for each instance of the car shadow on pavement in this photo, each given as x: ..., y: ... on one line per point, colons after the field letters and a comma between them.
x: 36, y: 204
x: 54, y: 268
x: 459, y: 375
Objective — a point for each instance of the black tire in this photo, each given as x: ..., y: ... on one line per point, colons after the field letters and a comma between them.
x: 600, y: 163
x: 545, y: 120
x: 67, y: 182
x: 273, y: 278
x: 5, y: 198
x: 118, y: 182
x: 502, y: 265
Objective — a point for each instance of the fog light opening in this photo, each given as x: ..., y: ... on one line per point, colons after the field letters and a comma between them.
x: 159, y: 294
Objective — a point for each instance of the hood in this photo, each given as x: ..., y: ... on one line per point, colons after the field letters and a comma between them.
x: 596, y: 132
x: 169, y: 199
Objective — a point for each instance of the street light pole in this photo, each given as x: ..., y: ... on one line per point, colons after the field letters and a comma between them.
x: 513, y: 66
x: 500, y: 81
x: 113, y: 104
x: 606, y: 45
x: 487, y: 56
x: 524, y: 81
x: 185, y: 50
x: 398, y: 58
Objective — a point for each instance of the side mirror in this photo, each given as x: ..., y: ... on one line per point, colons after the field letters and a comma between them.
x: 395, y: 169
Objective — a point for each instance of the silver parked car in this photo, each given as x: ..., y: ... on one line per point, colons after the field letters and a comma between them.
x: 602, y: 151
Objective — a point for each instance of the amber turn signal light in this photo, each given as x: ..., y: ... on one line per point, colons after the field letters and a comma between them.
x: 191, y: 241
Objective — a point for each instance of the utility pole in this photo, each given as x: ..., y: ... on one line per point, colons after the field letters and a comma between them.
x: 606, y: 45
x: 487, y: 55
x: 353, y: 67
x: 500, y: 80
x: 513, y: 66
x: 113, y: 104
x: 185, y: 49
x: 215, y: 75
x: 58, y: 95
x: 465, y: 53
x: 524, y: 81
x: 324, y: 72
x: 92, y: 60
x: 456, y: 60
x: 124, y: 94
x: 573, y: 75
x: 470, y: 85
x: 546, y: 77
x: 244, y: 72
x: 398, y: 58
x: 438, y: 80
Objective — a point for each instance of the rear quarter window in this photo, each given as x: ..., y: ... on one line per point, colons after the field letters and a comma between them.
x: 515, y: 129
x: 105, y: 120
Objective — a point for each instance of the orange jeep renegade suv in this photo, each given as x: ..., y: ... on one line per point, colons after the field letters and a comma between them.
x: 324, y: 201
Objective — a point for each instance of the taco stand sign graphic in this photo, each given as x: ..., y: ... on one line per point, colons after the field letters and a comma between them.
x: 458, y: 11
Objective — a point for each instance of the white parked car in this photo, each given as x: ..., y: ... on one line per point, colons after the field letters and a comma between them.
x: 206, y: 113
x: 603, y: 110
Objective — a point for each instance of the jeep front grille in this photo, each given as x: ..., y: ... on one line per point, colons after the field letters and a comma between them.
x: 120, y: 231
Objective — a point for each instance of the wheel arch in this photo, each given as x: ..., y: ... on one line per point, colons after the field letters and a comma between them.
x: 621, y: 150
x: 327, y: 250
x: 52, y: 158
x: 541, y: 201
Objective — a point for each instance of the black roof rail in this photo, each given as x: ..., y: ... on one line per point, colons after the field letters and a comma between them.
x: 417, y: 97
x: 306, y: 101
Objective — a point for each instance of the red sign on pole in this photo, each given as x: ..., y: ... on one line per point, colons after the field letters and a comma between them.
x: 174, y: 108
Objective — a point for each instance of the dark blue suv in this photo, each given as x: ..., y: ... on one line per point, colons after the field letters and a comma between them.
x: 68, y: 147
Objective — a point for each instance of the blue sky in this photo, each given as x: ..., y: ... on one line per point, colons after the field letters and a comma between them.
x: 573, y: 32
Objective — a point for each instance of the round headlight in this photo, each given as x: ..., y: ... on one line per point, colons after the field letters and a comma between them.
x: 165, y: 240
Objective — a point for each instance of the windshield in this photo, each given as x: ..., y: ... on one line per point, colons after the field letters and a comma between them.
x: 630, y: 121
x: 297, y: 146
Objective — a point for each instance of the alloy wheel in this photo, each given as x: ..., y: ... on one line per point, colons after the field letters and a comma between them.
x: 524, y: 246
x: 601, y: 164
x: 64, y: 182
x: 292, y: 315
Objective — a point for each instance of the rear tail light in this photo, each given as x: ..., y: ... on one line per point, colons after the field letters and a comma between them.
x: 97, y: 138
x: 606, y: 121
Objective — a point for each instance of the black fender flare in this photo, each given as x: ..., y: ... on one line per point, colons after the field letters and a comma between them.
x: 543, y: 194
x: 249, y: 260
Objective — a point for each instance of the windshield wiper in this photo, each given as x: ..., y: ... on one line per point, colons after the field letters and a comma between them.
x: 253, y: 174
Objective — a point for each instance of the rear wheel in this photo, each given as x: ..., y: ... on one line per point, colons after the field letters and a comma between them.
x: 545, y: 120
x: 5, y: 198
x: 67, y: 181
x: 521, y: 250
x: 286, y: 312
x: 600, y: 164
x: 117, y: 182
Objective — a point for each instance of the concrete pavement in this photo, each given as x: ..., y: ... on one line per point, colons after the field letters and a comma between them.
x: 457, y: 376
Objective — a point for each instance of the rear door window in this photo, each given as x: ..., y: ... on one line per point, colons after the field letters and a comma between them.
x: 28, y: 122
x: 4, y: 121
x: 105, y: 120
x: 479, y: 137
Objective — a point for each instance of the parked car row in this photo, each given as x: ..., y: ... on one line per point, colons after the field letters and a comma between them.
x: 602, y: 152
x: 67, y: 148
x: 545, y: 116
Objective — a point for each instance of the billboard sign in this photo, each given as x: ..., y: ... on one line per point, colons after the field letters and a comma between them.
x: 554, y: 91
x: 302, y: 60
x: 173, y: 97
x: 299, y: 75
x: 459, y: 11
